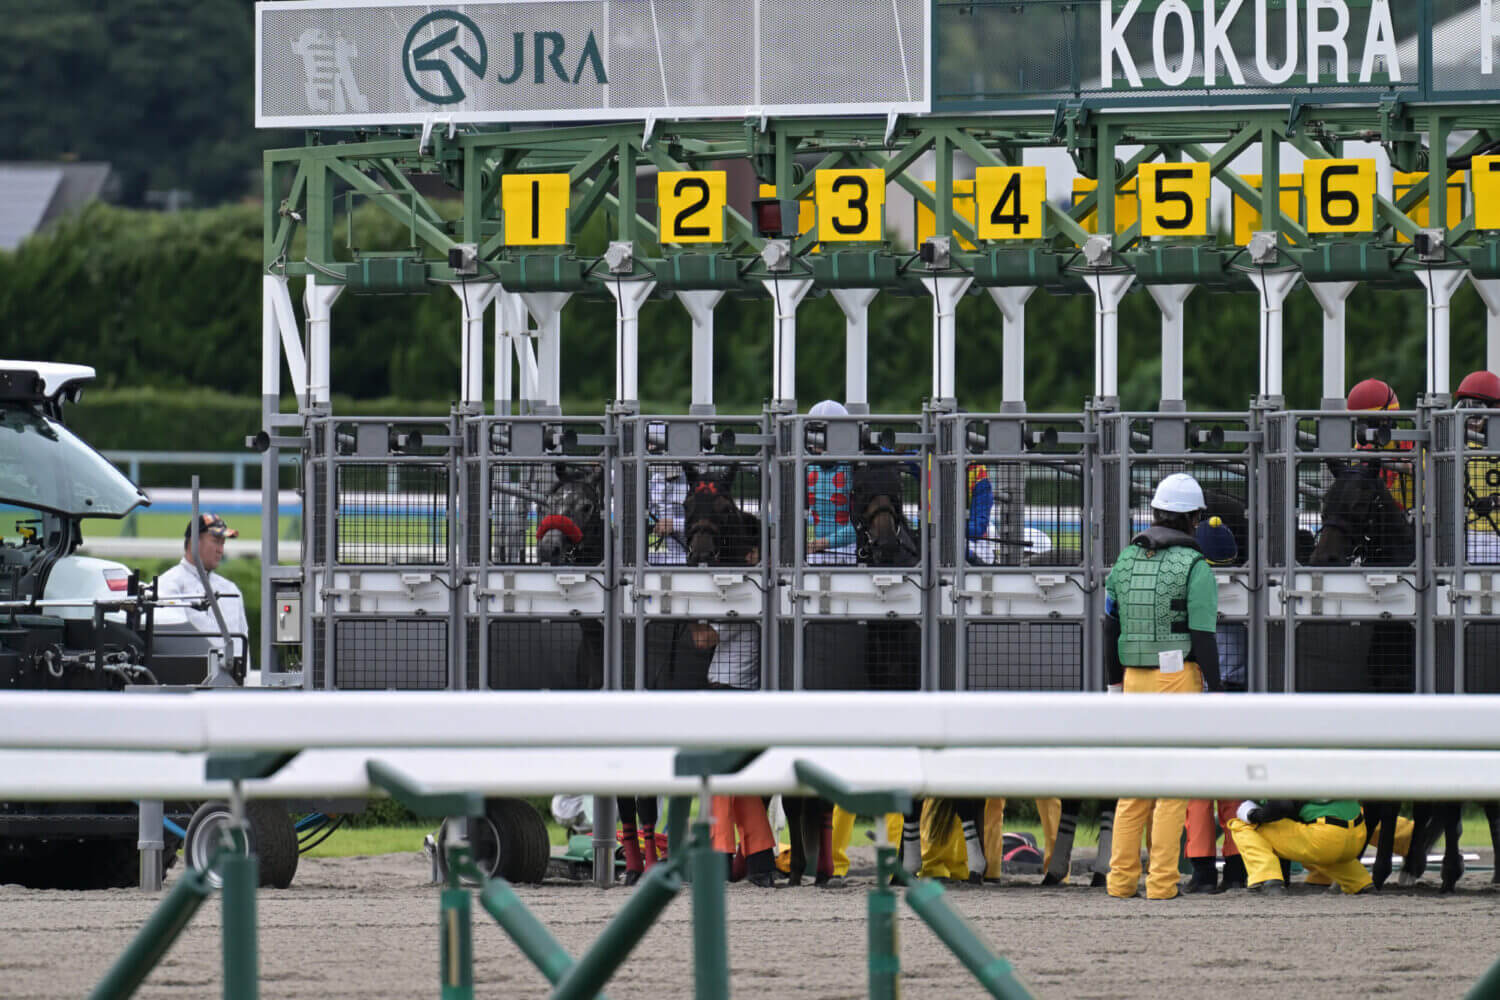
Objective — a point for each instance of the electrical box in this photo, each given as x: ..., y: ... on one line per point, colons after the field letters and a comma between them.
x: 288, y: 610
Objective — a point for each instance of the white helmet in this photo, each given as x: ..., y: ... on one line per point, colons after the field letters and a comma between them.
x: 828, y: 408
x: 1178, y: 493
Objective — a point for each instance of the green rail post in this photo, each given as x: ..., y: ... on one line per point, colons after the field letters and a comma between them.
x: 456, y: 925
x: 652, y: 894
x: 241, y: 874
x: 162, y: 929
x: 528, y: 933
x: 710, y: 932
x: 994, y: 973
x: 885, y: 956
x: 1488, y: 987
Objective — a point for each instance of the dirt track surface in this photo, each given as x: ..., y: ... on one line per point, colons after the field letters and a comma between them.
x: 367, y: 927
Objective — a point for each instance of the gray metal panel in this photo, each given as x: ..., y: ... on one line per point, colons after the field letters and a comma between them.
x: 25, y: 194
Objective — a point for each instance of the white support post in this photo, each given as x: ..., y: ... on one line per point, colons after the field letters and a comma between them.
x: 513, y: 344
x: 700, y: 306
x: 1108, y: 290
x: 1011, y: 299
x: 1489, y: 294
x: 786, y: 294
x: 945, y: 291
x: 317, y: 304
x: 276, y: 310
x: 628, y: 298
x: 475, y: 298
x: 1169, y: 299
x: 546, y: 308
x: 1274, y: 287
x: 855, y: 302
x: 1440, y: 285
x: 504, y: 362
x: 1331, y: 296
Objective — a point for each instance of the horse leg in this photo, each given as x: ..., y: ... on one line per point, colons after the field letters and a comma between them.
x: 634, y: 866
x: 794, y: 807
x: 822, y: 828
x: 1062, y: 848
x: 971, y: 816
x: 911, y: 838
x: 1386, y: 844
x: 1492, y: 815
x: 1453, y: 855
x: 1106, y: 844
x: 1423, y: 836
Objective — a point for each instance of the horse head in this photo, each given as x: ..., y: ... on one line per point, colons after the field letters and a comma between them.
x: 1361, y: 520
x: 885, y: 538
x: 716, y: 530
x: 571, y: 529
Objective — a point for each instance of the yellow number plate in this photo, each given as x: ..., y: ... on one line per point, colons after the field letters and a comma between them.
x: 1486, y: 184
x: 692, y: 205
x: 536, y: 209
x: 1340, y: 195
x: 963, y: 208
x: 1174, y: 199
x: 850, y: 204
x: 1011, y: 202
x: 1247, y: 220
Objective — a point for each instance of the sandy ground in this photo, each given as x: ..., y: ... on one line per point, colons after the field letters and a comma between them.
x: 367, y: 927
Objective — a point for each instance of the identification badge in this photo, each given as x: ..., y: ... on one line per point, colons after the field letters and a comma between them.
x: 1169, y: 661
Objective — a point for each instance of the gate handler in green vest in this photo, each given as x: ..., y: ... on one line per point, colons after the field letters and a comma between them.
x: 1326, y: 836
x: 1162, y: 613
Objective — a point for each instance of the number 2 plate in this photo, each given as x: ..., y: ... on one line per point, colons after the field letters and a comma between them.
x: 692, y: 205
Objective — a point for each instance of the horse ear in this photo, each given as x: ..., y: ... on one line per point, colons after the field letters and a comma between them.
x: 566, y: 471
x: 690, y: 470
x: 1336, y: 466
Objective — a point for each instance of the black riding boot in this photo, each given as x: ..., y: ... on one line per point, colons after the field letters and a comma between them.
x: 1205, y: 876
x: 1234, y: 874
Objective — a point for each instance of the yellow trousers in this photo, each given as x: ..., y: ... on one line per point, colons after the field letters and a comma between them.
x: 843, y: 832
x: 944, y: 854
x: 1049, y: 811
x: 1330, y: 851
x: 1402, y: 847
x: 1165, y: 817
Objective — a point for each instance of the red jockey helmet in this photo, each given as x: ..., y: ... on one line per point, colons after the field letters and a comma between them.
x: 1373, y: 394
x: 1481, y: 386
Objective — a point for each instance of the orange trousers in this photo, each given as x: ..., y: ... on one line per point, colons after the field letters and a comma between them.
x: 745, y: 814
x: 1200, y: 827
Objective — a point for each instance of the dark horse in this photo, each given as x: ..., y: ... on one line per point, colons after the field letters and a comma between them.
x: 1363, y: 525
x: 716, y: 531
x: 570, y: 524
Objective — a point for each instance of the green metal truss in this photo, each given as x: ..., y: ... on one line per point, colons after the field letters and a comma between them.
x: 302, y: 187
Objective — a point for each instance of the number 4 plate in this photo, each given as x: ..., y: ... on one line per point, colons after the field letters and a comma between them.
x: 1010, y: 202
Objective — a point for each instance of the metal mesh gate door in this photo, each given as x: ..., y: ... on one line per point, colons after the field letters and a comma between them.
x: 1221, y: 451
x: 1014, y: 553
x: 694, y: 555
x: 539, y: 546
x: 1465, y: 500
x: 1348, y: 591
x: 855, y: 494
x: 379, y: 558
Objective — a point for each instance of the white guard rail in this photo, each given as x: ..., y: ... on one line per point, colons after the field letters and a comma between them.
x: 71, y: 746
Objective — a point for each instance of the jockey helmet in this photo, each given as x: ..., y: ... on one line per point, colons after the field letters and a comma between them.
x: 1482, y: 387
x: 1373, y: 394
x: 1178, y: 493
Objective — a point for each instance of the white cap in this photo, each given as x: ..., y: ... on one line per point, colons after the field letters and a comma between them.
x: 828, y: 408
x: 1178, y: 493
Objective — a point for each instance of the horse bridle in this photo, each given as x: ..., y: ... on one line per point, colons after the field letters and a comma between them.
x: 571, y: 545
x: 901, y: 542
x: 703, y: 525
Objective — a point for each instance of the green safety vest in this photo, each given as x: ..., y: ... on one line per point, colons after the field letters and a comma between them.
x: 1152, y: 602
x: 1347, y: 810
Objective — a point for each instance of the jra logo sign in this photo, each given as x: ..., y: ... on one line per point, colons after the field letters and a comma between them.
x: 445, y: 48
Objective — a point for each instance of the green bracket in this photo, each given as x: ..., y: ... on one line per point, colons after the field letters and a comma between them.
x: 1162, y: 264
x: 420, y: 801
x: 699, y: 271
x: 1483, y: 258
x: 834, y: 789
x: 853, y: 269
x: 554, y: 271
x: 246, y: 766
x: 704, y: 763
x: 1346, y: 260
x: 385, y: 275
x: 1016, y: 266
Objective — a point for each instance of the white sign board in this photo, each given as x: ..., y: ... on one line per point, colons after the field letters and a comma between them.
x: 398, y: 62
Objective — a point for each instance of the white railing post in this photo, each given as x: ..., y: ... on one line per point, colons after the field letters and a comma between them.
x: 1011, y: 299
x: 1440, y: 285
x: 317, y: 303
x: 855, y: 303
x: 786, y: 294
x: 628, y: 297
x: 700, y: 307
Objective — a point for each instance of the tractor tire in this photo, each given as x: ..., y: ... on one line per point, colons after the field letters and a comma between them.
x: 509, y: 841
x: 273, y: 840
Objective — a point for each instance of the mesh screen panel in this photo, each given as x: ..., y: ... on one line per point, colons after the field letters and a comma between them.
x: 1482, y: 658
x: 400, y: 654
x: 1482, y: 511
x: 862, y: 656
x: 1362, y: 506
x: 703, y: 514
x: 1025, y: 656
x: 392, y: 514
x: 1225, y: 490
x: 541, y: 654
x: 547, y: 513
x: 1375, y: 657
x: 1035, y: 516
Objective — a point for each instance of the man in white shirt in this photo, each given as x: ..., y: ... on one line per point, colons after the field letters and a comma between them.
x: 182, y: 581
